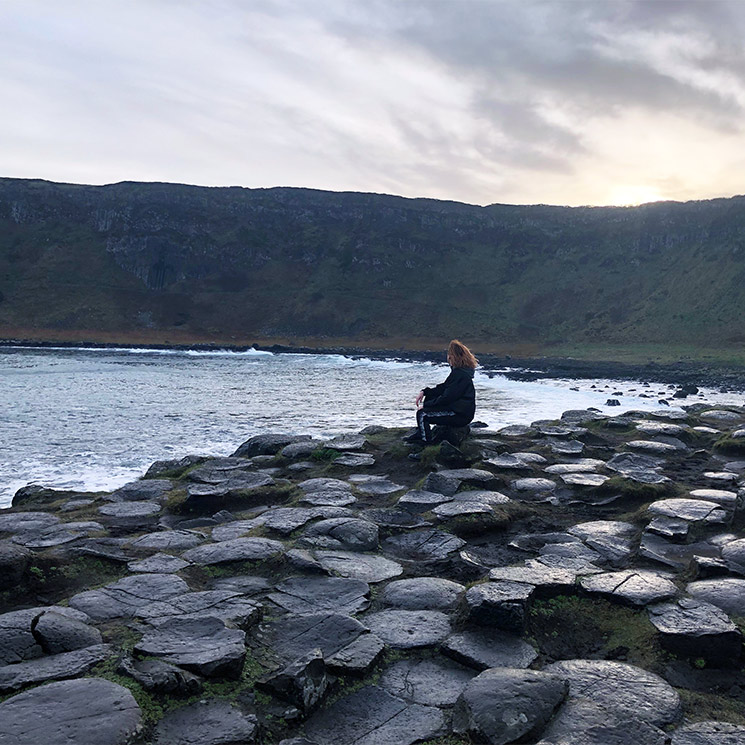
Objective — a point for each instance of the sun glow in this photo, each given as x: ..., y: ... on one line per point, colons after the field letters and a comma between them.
x: 627, y: 195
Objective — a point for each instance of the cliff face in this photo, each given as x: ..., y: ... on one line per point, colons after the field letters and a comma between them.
x: 227, y: 262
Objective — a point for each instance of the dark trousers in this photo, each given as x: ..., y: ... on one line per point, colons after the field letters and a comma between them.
x: 427, y: 417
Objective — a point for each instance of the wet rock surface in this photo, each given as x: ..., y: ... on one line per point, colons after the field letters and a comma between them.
x: 545, y: 584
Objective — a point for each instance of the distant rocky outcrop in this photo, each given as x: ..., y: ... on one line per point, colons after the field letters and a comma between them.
x: 185, y: 263
x: 548, y: 595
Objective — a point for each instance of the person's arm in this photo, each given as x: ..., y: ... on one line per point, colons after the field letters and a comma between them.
x: 453, y: 388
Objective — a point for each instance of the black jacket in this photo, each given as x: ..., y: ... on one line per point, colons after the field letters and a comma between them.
x: 455, y: 394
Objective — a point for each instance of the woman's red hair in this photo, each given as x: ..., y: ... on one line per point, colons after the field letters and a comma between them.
x: 459, y: 355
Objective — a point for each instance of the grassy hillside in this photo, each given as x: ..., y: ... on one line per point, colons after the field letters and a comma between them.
x: 157, y: 262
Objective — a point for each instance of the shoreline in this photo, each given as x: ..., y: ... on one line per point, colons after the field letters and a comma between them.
x: 727, y: 378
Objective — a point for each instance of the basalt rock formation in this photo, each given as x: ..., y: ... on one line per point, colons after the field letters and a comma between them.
x: 575, y: 581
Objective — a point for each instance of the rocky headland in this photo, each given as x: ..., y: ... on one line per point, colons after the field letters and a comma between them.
x: 570, y: 582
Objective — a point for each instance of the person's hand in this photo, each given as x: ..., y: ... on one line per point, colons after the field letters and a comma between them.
x: 419, y: 399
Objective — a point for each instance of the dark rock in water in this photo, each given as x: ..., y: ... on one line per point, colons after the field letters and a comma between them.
x: 212, y: 722
x: 202, y: 645
x: 409, y: 629
x: 239, y: 549
x: 422, y: 545
x: 268, y: 444
x: 172, y: 468
x: 501, y: 705
x: 726, y: 593
x: 303, y: 682
x: 617, y: 689
x: 160, y: 677
x: 358, y: 656
x: 292, y: 637
x: 709, y: 733
x: 429, y: 682
x: 372, y: 716
x: 14, y: 560
x: 423, y: 593
x: 52, y: 667
x: 500, y: 604
x: 303, y: 595
x: 485, y: 648
x: 369, y: 568
x: 696, y: 629
x: 89, y: 711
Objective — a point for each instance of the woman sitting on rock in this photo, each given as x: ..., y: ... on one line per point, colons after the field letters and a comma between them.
x: 451, y: 403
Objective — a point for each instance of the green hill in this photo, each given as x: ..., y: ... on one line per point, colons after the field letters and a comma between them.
x: 160, y: 262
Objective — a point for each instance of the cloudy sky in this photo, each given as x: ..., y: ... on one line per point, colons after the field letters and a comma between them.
x: 482, y: 101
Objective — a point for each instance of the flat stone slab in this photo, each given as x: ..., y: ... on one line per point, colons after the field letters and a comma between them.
x: 228, y: 606
x: 236, y: 528
x: 423, y: 593
x: 158, y: 564
x: 582, y: 465
x: 409, y: 629
x: 124, y: 597
x: 709, y: 733
x: 292, y: 637
x: 503, y: 705
x: 355, y: 460
x: 428, y: 682
x: 727, y: 593
x: 349, y: 533
x: 483, y: 496
x: 533, y: 486
x: 566, y: 447
x: 723, y: 416
x: 56, y: 535
x: 130, y: 509
x: 724, y: 497
x: 509, y: 462
x: 324, y: 484
x: 499, y: 604
x: 516, y: 430
x: 367, y: 567
x: 378, y: 487
x: 145, y: 490
x: 201, y: 645
x: 637, y: 467
x: 300, y: 449
x: 691, y: 510
x: 733, y: 554
x: 584, y: 479
x: 303, y: 595
x: 421, y: 501
x: 88, y: 711
x: 532, y: 572
x: 238, y: 549
x: 372, y: 716
x: 660, y: 428
x: 461, y: 507
x: 206, y: 723
x: 612, y: 539
x: 634, y: 587
x: 329, y: 498
x: 485, y: 648
x: 672, y: 528
x: 423, y: 545
x: 358, y: 656
x: 618, y: 689
x: 169, y: 540
x: 697, y: 629
x: 652, y: 446
x: 52, y: 667
x: 724, y: 477
x: 449, y: 481
x: 346, y: 442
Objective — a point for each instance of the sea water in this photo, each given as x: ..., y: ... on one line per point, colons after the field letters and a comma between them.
x: 95, y: 419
